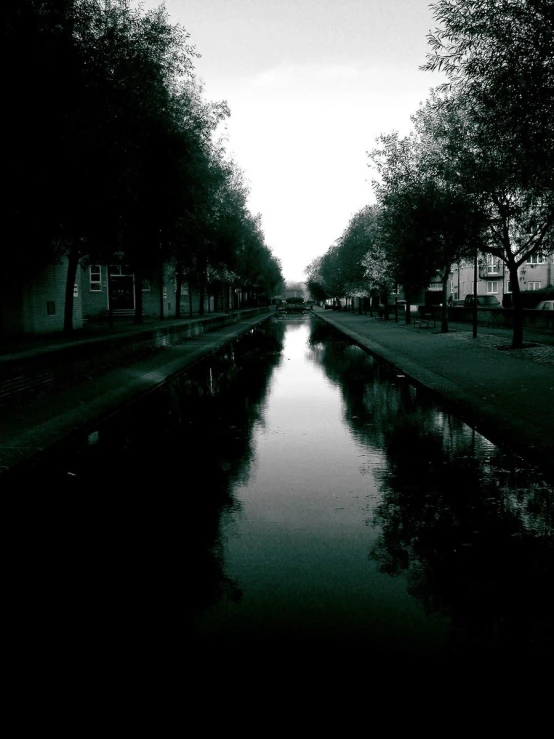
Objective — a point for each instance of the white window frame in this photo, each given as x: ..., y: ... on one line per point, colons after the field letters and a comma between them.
x: 492, y: 287
x: 536, y: 259
x: 94, y: 282
x: 531, y: 285
x: 493, y: 264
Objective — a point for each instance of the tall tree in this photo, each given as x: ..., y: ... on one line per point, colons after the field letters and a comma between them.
x: 429, y: 220
x: 500, y: 55
x: 499, y: 58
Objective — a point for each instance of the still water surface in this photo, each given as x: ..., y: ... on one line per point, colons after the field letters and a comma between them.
x: 292, y: 489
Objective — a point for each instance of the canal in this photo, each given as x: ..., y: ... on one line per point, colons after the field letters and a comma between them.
x: 291, y: 489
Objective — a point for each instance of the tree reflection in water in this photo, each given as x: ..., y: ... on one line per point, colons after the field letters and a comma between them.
x: 127, y: 541
x: 468, y: 524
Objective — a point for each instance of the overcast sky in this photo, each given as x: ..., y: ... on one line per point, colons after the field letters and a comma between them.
x: 310, y: 85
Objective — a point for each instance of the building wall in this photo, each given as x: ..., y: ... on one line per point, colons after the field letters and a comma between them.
x: 37, y: 306
x: 156, y: 297
x: 494, y: 279
x: 95, y: 290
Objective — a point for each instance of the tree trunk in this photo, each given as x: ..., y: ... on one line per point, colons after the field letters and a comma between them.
x: 475, y: 296
x: 408, y: 308
x: 109, y: 289
x: 444, y: 306
x: 517, y: 307
x: 138, y: 297
x: 201, y: 295
x: 178, y: 286
x: 386, y: 305
x: 162, y: 294
x: 72, y: 264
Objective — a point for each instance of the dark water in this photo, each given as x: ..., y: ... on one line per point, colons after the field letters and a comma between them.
x: 293, y: 490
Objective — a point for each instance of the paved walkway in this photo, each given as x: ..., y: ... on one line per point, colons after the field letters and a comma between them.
x: 70, y: 385
x: 506, y: 394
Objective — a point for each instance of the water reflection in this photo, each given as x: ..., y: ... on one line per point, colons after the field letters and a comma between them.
x: 291, y: 487
x: 468, y: 524
x: 125, y: 521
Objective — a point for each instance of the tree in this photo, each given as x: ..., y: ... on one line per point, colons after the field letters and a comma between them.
x: 429, y: 220
x: 516, y: 212
x: 500, y: 54
x: 355, y: 242
x: 314, y: 281
x: 499, y: 57
x: 45, y: 74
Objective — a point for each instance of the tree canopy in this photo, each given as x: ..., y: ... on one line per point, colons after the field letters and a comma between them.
x: 113, y: 150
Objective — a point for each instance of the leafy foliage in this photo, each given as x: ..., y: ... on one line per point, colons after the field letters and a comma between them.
x: 123, y: 164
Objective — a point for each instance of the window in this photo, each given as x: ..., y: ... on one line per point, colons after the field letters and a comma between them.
x: 119, y: 270
x: 146, y: 286
x: 534, y: 285
x: 50, y: 308
x: 536, y: 259
x: 184, y: 288
x: 492, y: 287
x: 508, y: 287
x: 75, y: 290
x: 493, y: 264
x: 95, y: 278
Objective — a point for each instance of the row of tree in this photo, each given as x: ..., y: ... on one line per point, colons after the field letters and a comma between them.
x: 113, y: 155
x: 475, y: 175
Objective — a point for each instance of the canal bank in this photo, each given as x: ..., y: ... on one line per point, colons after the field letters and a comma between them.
x: 67, y: 386
x: 52, y: 388
x: 507, y: 395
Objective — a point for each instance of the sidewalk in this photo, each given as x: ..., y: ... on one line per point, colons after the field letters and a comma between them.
x: 52, y: 388
x: 507, y: 395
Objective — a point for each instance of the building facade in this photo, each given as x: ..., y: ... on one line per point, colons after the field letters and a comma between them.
x: 493, y: 278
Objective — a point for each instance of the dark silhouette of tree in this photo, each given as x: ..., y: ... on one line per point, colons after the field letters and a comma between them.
x: 123, y: 167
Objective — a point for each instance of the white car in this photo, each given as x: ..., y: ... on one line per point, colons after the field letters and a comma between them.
x: 545, y: 305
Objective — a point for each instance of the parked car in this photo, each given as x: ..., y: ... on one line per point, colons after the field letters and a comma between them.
x: 458, y: 303
x: 483, y: 301
x: 545, y: 305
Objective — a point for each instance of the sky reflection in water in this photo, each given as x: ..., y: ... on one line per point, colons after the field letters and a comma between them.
x: 293, y: 490
x: 371, y: 518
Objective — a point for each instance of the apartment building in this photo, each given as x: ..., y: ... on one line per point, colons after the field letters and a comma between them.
x: 536, y: 273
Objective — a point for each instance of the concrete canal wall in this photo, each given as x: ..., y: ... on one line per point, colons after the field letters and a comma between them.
x: 51, y: 393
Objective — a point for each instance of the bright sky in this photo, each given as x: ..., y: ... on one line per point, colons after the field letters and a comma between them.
x: 310, y: 85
